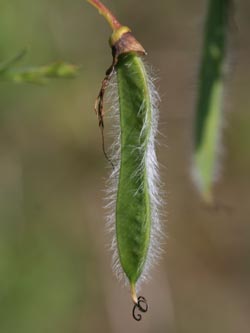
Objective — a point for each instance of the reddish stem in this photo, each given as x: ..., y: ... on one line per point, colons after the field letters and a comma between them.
x: 106, y: 13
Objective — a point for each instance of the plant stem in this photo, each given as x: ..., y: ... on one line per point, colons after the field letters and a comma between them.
x: 210, y: 96
x: 103, y: 10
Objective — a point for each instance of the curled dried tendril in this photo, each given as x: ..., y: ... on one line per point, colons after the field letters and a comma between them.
x: 99, y: 109
x: 141, y: 306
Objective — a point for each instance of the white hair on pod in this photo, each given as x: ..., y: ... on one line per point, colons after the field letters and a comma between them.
x: 152, y: 170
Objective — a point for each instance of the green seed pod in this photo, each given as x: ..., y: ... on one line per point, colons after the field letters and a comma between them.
x: 134, y: 184
x: 210, y: 97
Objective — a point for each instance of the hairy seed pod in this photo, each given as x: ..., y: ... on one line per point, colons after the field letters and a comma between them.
x: 133, y: 209
x: 134, y: 193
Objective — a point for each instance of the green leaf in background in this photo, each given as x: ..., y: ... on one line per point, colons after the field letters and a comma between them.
x: 40, y: 75
x: 37, y: 75
x: 4, y: 66
x: 210, y: 97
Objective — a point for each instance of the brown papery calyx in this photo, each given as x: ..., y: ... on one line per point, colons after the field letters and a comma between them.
x: 125, y: 44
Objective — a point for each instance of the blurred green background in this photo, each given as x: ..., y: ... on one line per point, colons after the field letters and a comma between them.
x: 55, y: 267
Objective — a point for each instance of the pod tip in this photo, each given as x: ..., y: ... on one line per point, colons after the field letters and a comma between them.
x: 133, y: 294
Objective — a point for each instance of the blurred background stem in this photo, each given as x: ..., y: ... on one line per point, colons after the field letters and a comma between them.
x: 209, y: 117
